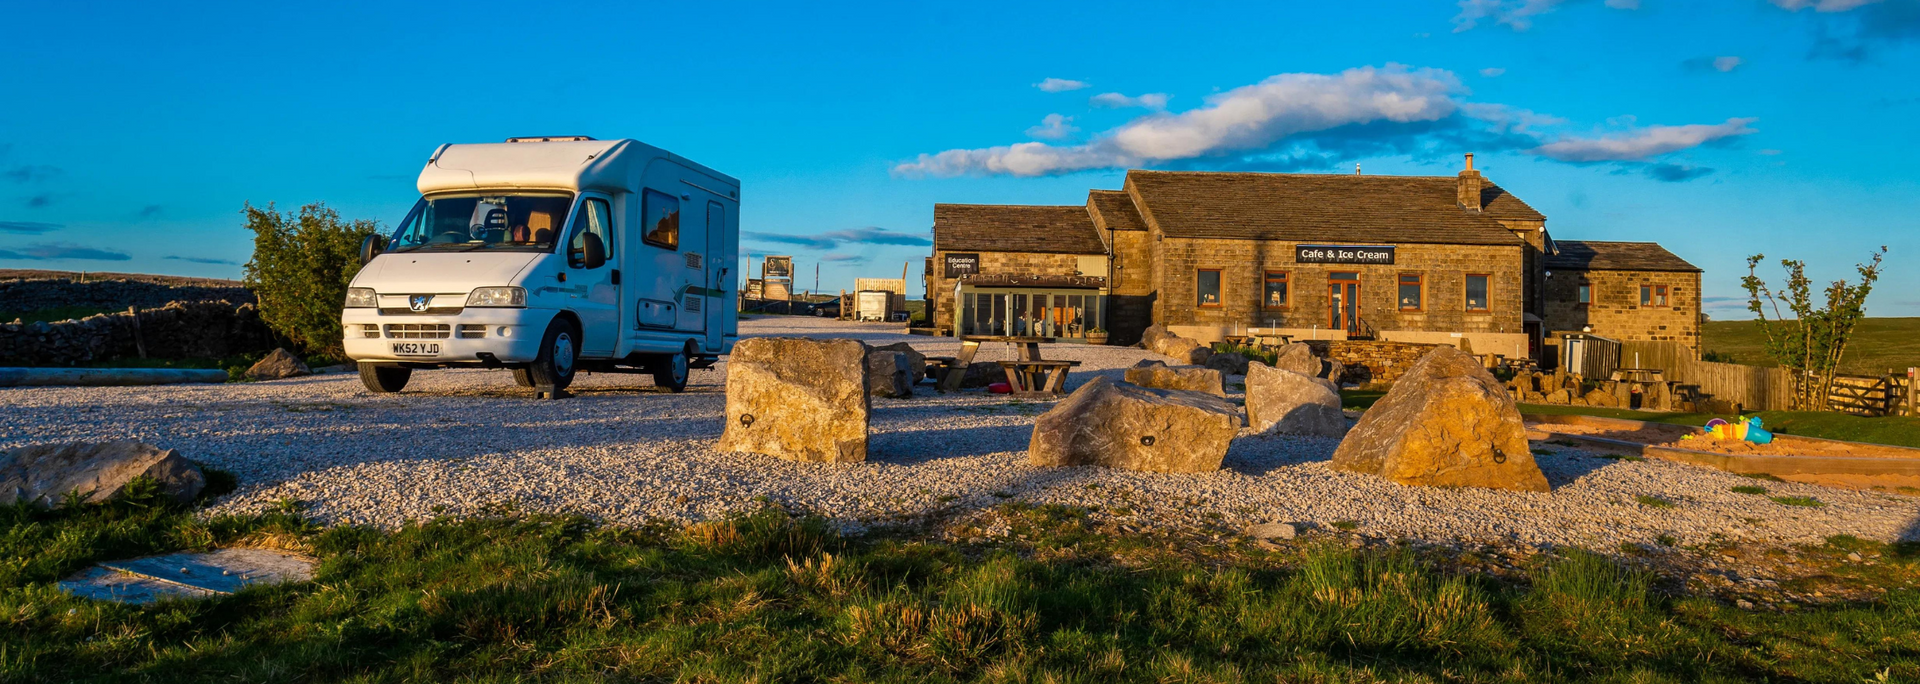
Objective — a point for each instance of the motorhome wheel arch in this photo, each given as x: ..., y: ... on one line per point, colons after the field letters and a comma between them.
x: 549, y: 256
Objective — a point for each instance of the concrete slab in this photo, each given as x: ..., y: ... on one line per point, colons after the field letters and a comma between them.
x: 187, y: 575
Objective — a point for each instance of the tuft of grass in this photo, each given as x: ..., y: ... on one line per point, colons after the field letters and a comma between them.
x: 1348, y: 525
x: 1767, y: 477
x: 1803, y: 501
x: 1749, y: 489
x: 1653, y: 501
x: 1623, y: 457
x: 1666, y: 540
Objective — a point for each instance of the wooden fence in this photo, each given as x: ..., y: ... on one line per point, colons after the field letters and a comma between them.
x: 1770, y: 389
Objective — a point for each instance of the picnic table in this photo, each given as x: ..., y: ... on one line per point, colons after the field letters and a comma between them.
x: 1027, y: 351
x: 1037, y: 378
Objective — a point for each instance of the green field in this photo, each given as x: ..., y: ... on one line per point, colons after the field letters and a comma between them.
x: 1878, y: 344
x: 769, y: 598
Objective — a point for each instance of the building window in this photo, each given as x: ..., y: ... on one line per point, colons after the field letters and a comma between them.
x: 660, y: 218
x: 1477, y: 299
x: 1208, y: 295
x: 1410, y: 295
x: 1276, y: 290
x: 1585, y: 296
x: 1653, y: 295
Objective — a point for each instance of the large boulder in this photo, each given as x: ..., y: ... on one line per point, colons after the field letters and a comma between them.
x: 1602, y: 398
x: 1447, y: 422
x: 1299, y: 358
x: 1157, y: 375
x: 1119, y: 425
x: 889, y: 374
x: 1285, y: 402
x: 1230, y: 363
x: 279, y: 364
x: 916, y: 361
x: 798, y: 398
x: 1159, y: 340
x: 45, y: 474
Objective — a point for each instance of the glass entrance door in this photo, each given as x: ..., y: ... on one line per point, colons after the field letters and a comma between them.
x: 1343, y: 302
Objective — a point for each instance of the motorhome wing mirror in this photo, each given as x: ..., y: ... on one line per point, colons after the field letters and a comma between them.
x: 593, y: 251
x: 371, y: 247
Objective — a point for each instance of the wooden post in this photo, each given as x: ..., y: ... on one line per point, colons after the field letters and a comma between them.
x: 139, y: 344
x: 1913, y: 391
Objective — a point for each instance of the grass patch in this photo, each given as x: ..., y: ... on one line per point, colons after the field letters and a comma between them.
x: 1767, y: 477
x: 1749, y: 489
x: 1360, y: 398
x: 1878, y: 344
x: 1653, y: 501
x: 1891, y: 430
x: 768, y: 597
x: 54, y: 315
x: 1802, y: 501
x: 1347, y: 525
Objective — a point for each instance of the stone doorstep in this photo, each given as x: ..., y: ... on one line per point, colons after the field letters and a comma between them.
x: 187, y: 575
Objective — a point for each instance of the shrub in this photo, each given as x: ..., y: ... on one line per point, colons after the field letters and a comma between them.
x: 300, y: 269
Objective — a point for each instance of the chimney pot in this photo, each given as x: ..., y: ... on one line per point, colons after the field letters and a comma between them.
x: 1470, y: 183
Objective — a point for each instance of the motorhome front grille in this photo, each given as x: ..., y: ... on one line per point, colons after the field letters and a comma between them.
x: 472, y: 331
x: 418, y: 331
x: 369, y: 330
x: 404, y: 311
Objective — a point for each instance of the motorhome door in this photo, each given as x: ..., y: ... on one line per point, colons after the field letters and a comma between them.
x: 594, y: 293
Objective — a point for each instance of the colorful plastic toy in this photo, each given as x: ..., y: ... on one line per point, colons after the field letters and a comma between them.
x: 1748, y: 430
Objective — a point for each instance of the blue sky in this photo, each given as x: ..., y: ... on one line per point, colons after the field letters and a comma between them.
x: 133, y: 134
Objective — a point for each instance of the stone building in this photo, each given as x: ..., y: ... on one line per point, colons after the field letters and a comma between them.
x: 1420, y: 259
x: 1625, y: 291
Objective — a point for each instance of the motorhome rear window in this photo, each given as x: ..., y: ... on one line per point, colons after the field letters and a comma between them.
x: 493, y: 221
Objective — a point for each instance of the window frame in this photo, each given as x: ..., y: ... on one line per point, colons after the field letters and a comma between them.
x: 1653, y: 294
x: 1583, y: 293
x: 1466, y: 293
x: 1420, y: 286
x: 645, y: 231
x: 581, y: 215
x: 1219, y: 289
x: 1285, y: 278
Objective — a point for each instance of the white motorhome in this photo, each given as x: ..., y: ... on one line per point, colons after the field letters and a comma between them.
x: 549, y: 256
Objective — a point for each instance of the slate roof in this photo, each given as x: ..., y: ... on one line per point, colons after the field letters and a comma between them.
x: 1318, y: 208
x: 1591, y: 255
x: 1015, y: 228
x: 1114, y: 210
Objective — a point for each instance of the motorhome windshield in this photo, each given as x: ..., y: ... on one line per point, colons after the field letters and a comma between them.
x: 499, y: 222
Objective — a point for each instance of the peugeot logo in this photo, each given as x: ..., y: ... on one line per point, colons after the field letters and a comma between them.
x: 419, y: 302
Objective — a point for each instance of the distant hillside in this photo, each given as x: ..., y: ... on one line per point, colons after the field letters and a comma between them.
x: 38, y: 274
x: 1878, y: 344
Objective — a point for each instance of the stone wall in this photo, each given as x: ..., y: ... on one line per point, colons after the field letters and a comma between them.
x: 56, y: 293
x: 1370, y: 362
x: 177, y: 330
x: 940, y: 287
x: 1615, y: 311
x: 1243, y: 265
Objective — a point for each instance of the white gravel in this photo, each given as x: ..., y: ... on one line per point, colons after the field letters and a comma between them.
x: 460, y: 442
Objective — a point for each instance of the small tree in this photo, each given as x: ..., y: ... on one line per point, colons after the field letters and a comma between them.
x: 300, y: 269
x: 1811, y: 342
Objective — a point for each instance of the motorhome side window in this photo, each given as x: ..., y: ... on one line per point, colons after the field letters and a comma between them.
x: 494, y: 222
x: 660, y: 217
x: 594, y: 220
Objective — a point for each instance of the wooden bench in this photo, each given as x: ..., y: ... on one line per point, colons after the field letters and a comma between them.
x: 1037, y: 378
x: 937, y: 367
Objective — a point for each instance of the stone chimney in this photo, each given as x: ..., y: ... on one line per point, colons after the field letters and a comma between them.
x: 1469, y: 189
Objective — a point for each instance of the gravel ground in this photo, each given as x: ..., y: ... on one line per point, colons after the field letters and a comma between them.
x: 460, y: 442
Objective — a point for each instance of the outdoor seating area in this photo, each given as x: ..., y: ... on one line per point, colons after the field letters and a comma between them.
x: 1027, y: 374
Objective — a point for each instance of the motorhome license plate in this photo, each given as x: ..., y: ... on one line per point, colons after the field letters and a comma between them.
x: 416, y: 348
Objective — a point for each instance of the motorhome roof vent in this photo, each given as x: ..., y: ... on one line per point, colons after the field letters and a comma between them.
x: 550, y: 138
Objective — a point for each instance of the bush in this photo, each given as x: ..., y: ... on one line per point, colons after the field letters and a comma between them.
x: 300, y: 269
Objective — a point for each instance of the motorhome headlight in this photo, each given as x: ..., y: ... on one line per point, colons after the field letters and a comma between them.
x: 497, y: 296
x: 361, y: 298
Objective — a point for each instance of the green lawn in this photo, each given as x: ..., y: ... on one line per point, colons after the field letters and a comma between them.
x: 770, y: 598
x: 1878, y: 344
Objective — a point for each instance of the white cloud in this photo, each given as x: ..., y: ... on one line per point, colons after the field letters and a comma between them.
x: 1491, y: 72
x: 1245, y: 119
x: 1822, y: 5
x: 1060, y: 85
x: 1726, y: 64
x: 1053, y: 127
x: 1641, y: 144
x: 1119, y: 101
x: 1505, y: 118
x: 1519, y: 14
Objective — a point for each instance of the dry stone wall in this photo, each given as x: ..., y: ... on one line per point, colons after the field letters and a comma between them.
x: 177, y: 330
x: 1370, y: 362
x: 25, y: 295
